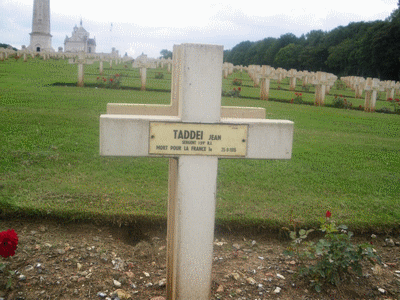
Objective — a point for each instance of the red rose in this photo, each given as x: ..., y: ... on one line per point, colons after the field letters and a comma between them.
x: 111, y: 80
x: 300, y: 94
x: 397, y: 100
x: 239, y: 89
x: 291, y: 101
x: 8, y: 242
x: 328, y: 214
x: 360, y: 106
x: 234, y: 89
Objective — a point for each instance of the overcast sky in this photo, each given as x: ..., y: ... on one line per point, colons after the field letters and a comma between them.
x: 150, y: 26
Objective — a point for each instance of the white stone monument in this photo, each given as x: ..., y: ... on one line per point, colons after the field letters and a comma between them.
x: 194, y: 140
x: 40, y: 35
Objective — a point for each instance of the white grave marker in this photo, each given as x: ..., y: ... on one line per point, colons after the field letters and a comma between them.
x: 372, y: 87
x: 143, y: 64
x: 193, y: 170
x: 320, y: 83
x: 292, y: 77
x: 101, y: 70
x: 267, y: 73
x: 80, y: 60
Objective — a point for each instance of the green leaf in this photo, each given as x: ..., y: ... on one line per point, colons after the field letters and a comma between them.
x: 293, y: 235
x: 288, y: 253
x: 9, y: 283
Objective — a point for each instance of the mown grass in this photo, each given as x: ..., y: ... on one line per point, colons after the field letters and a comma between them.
x: 346, y: 161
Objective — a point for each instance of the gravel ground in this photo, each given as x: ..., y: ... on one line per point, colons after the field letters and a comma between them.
x: 84, y: 261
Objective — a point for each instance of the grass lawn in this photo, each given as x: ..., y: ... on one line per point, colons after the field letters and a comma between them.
x: 346, y: 161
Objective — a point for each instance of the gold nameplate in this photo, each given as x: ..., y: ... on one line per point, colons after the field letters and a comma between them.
x: 197, y: 139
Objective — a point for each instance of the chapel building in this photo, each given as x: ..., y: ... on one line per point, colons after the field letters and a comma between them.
x: 80, y: 41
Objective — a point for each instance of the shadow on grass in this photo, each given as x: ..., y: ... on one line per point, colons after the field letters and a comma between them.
x: 95, y: 85
x: 159, y: 222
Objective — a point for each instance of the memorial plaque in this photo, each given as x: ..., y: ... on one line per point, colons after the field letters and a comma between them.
x: 197, y: 139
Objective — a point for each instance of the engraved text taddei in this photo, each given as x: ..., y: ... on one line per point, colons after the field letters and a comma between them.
x: 197, y: 139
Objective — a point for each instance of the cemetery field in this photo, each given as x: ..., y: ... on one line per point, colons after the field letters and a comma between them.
x: 345, y: 161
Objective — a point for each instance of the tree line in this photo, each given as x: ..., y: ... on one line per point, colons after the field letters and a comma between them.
x: 367, y: 49
x: 7, y: 46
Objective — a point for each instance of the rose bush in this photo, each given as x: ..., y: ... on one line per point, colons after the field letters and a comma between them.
x: 333, y: 258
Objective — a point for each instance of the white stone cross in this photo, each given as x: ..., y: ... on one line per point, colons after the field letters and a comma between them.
x: 304, y: 76
x: 389, y: 87
x: 267, y: 73
x: 320, y: 83
x: 143, y: 63
x: 4, y: 52
x: 372, y: 86
x: 81, y: 61
x: 281, y: 73
x: 169, y: 64
x: 101, y: 68
x: 359, y: 83
x: 292, y: 74
x: 194, y: 140
x: 227, y: 69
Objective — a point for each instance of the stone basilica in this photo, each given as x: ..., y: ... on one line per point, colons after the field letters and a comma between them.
x: 80, y: 41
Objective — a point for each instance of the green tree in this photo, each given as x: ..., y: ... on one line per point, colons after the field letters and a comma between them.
x: 368, y: 49
x: 266, y: 44
x: 251, y: 55
x: 340, y: 56
x: 237, y: 55
x: 288, y: 57
x: 315, y: 38
x: 385, y: 48
x: 165, y: 54
x: 313, y: 58
x: 280, y: 43
x: 6, y: 46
